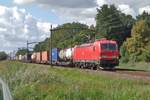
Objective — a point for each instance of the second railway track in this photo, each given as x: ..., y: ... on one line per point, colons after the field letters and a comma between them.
x: 133, y: 72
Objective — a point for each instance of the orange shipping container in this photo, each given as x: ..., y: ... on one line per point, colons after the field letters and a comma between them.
x: 45, y: 57
x: 33, y: 57
x: 38, y: 57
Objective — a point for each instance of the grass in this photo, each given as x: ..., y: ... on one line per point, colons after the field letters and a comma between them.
x: 42, y: 82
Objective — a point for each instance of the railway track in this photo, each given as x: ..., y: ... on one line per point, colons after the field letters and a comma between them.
x: 133, y: 72
x: 125, y: 73
x: 130, y: 72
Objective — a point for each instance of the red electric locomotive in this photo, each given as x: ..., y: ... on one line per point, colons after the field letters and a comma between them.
x: 101, y: 53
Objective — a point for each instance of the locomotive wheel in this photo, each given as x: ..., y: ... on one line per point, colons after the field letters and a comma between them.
x: 82, y: 67
x: 75, y: 65
x: 91, y: 68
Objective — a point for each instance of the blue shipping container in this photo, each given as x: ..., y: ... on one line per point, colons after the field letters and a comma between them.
x: 55, y: 55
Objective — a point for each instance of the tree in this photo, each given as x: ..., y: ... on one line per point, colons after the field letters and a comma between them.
x: 85, y: 36
x: 113, y: 24
x: 107, y: 21
x: 144, y: 16
x: 42, y: 46
x: 138, y: 44
x: 21, y: 51
x: 3, y: 55
x: 66, y: 35
x: 127, y: 20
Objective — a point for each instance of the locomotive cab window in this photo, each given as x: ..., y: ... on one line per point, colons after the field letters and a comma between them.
x: 112, y: 46
x: 108, y: 46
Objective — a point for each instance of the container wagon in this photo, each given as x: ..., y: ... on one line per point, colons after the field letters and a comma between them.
x: 62, y: 56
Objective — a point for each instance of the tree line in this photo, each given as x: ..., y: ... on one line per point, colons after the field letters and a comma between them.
x: 131, y: 34
x: 3, y: 55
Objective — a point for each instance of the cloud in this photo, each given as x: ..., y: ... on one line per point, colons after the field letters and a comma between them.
x: 77, y: 15
x: 68, y: 10
x: 84, y: 10
x: 23, y: 1
x: 3, y: 29
x: 2, y: 10
x: 146, y: 9
x: 101, y: 2
x: 60, y: 3
x: 17, y: 26
x: 126, y: 9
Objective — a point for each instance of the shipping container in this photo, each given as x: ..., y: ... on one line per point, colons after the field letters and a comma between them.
x: 15, y: 58
x: 55, y: 56
x: 38, y: 57
x: 26, y: 58
x: 20, y: 57
x: 33, y: 57
x: 62, y: 54
x: 45, y: 57
x: 66, y: 54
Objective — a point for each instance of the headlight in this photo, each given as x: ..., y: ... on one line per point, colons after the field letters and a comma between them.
x: 104, y: 56
x: 115, y: 57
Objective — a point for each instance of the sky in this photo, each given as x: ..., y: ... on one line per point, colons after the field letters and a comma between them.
x: 22, y: 20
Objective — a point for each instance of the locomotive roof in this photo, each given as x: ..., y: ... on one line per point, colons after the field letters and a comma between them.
x: 106, y: 41
x: 101, y: 41
x: 85, y: 45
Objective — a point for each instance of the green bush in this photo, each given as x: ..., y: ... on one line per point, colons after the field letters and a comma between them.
x: 124, y: 55
x: 3, y: 56
x: 124, y: 59
x: 137, y: 47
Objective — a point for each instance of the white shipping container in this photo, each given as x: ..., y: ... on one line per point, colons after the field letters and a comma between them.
x: 62, y: 54
x: 68, y: 53
x: 33, y: 56
x: 20, y: 57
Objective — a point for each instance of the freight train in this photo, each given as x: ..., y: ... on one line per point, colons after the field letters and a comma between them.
x: 100, y: 54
